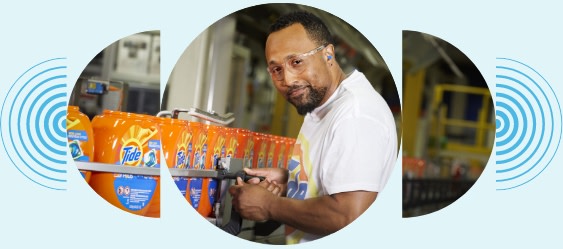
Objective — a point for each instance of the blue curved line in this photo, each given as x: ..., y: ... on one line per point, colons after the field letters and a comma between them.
x: 536, y: 99
x: 28, y: 125
x: 554, y: 95
x: 10, y: 125
x: 524, y: 125
x: 29, y: 132
x: 525, y: 148
x: 63, y: 125
x: 552, y: 121
x: 516, y: 124
x: 530, y: 91
x: 46, y: 124
x: 32, y: 155
x: 60, y: 116
x: 33, y: 104
x: 505, y: 119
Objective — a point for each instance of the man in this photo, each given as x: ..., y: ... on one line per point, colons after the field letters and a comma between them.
x: 347, y: 145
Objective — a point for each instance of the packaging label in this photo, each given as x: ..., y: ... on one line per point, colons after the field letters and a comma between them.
x: 188, y: 160
x: 195, y: 186
x: 131, y: 155
x: 200, y: 148
x: 75, y: 139
x: 211, y: 191
x: 137, y: 147
x: 180, y: 159
x: 83, y: 159
x: 182, y: 184
x: 281, y: 156
x: 79, y: 135
x: 154, y: 144
x: 262, y: 155
x: 133, y: 191
x: 150, y: 160
x: 231, y: 147
x: 184, y: 148
x: 75, y: 150
x: 248, y: 154
x: 219, y: 150
x: 197, y: 158
x: 280, y: 161
x: 250, y: 159
x: 260, y: 161
x: 202, y: 159
x: 271, y: 154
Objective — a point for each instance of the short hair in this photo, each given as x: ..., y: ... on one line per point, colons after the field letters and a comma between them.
x: 314, y: 27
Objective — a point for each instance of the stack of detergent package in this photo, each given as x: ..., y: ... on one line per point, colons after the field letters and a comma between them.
x: 135, y: 140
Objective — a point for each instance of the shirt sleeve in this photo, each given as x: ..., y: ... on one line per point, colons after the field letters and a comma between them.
x: 360, y: 156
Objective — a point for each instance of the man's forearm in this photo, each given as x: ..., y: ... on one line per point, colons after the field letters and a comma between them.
x: 322, y: 215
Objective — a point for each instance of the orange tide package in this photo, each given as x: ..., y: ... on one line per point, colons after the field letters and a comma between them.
x: 130, y: 140
x: 80, y: 138
x: 245, y: 147
x: 197, y: 151
x: 279, y: 152
x: 231, y: 141
x: 175, y: 137
x: 260, y: 150
x: 215, y: 149
x: 271, y: 151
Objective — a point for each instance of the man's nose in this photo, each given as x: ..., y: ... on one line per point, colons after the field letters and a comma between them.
x: 289, y: 79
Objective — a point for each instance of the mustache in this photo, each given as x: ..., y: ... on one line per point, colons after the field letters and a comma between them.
x: 295, y: 88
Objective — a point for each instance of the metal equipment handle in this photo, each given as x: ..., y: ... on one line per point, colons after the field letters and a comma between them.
x: 223, y: 119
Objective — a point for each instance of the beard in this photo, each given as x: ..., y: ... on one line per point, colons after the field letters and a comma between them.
x: 307, y: 102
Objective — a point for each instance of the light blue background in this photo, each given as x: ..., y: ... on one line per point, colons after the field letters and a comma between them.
x: 34, y: 31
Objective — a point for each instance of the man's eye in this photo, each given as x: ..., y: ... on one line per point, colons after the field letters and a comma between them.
x: 296, y: 62
x: 276, y: 70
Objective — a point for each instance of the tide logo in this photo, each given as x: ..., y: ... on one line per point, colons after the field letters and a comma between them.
x: 219, y: 150
x: 180, y: 158
x: 219, y: 145
x: 188, y: 159
x: 184, y: 145
x: 197, y: 158
x: 270, y: 157
x: 200, y: 148
x: 249, y: 153
x: 232, y: 147
x: 281, y: 156
x: 131, y: 153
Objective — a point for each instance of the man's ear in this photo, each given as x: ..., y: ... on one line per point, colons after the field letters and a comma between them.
x: 329, y: 52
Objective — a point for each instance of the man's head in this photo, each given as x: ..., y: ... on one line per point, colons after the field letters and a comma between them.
x: 300, y: 57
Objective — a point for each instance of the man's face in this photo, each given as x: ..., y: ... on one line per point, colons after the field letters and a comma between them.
x: 307, y: 87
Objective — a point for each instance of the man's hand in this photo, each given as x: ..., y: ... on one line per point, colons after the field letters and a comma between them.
x: 277, y: 176
x: 252, y: 201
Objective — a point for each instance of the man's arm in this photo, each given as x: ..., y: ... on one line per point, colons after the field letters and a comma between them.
x: 321, y: 215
